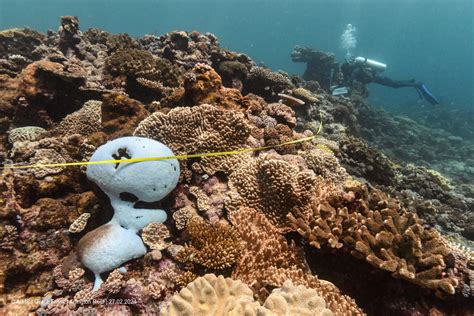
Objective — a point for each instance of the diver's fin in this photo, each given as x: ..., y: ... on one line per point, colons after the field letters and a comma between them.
x: 427, y: 94
x: 419, y: 93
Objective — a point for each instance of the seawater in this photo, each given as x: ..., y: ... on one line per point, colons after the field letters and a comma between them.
x: 428, y: 40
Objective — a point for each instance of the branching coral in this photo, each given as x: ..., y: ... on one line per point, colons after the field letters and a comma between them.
x: 374, y: 227
x: 200, y: 129
x: 268, y: 260
x: 211, y: 246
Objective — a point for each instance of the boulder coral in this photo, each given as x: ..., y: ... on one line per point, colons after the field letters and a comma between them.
x: 216, y: 295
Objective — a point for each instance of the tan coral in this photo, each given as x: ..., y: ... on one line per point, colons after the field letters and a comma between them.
x: 115, y: 282
x: 292, y: 300
x: 326, y: 165
x: 156, y: 236
x: 47, y: 156
x: 212, y: 246
x: 268, y: 261
x: 201, y: 197
x: 80, y: 223
x: 85, y: 121
x: 291, y: 100
x: 74, y: 281
x: 44, y: 151
x: 8, y: 237
x: 212, y: 295
x: 200, y: 129
x: 182, y: 216
x: 377, y: 229
x: 25, y: 133
x: 305, y: 94
x: 215, y: 295
x: 272, y: 186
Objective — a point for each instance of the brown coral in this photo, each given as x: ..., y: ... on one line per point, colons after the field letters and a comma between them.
x: 8, y: 237
x: 268, y: 261
x: 121, y: 115
x: 212, y: 246
x: 136, y: 63
x: 272, y: 186
x: 182, y: 216
x: 374, y: 227
x: 200, y: 129
x: 156, y: 236
x: 204, y: 85
x: 85, y: 121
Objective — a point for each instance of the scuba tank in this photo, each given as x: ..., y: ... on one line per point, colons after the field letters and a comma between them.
x: 375, y: 65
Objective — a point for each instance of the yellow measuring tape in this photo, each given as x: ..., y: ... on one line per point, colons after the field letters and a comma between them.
x: 212, y: 154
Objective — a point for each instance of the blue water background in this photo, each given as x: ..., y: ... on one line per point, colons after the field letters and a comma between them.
x: 429, y: 40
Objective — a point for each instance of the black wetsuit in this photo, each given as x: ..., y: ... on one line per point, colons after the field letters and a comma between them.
x: 353, y: 74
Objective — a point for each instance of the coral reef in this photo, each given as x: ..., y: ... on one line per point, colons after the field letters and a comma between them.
x: 363, y: 218
x: 375, y: 228
x: 272, y: 185
x: 211, y: 246
x: 262, y: 269
x: 216, y: 295
x: 200, y: 129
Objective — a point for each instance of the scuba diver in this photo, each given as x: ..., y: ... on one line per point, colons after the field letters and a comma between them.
x: 352, y: 76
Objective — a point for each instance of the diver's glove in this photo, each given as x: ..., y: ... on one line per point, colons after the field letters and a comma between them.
x: 426, y: 94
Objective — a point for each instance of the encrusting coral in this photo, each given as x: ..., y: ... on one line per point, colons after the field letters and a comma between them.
x: 85, y: 121
x: 25, y: 133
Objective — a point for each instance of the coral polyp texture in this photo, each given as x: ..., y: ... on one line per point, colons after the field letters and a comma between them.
x: 200, y: 129
x: 216, y: 295
x: 327, y: 226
